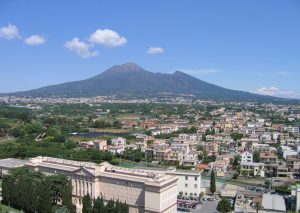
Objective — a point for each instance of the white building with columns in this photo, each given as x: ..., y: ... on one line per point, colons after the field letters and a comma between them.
x: 144, y: 191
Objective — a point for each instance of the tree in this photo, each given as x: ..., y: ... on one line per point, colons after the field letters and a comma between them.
x: 212, y: 182
x: 256, y: 156
x: 224, y: 206
x: 201, y: 195
x: 98, y: 205
x: 58, y: 184
x: 193, y: 129
x: 258, y: 207
x: 236, y: 136
x: 86, y: 204
x: 125, y: 208
x: 44, y: 198
x: 63, y: 209
x: 67, y: 198
x: 236, y: 161
x: 110, y: 207
x: 30, y: 191
x: 267, y: 184
x: 117, y: 124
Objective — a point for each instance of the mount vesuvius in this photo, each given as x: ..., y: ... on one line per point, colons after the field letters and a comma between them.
x: 133, y: 81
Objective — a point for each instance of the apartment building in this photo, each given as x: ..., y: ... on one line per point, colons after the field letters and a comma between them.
x: 253, y: 169
x: 211, y: 147
x: 144, y: 191
x: 118, y: 141
x: 95, y: 144
x: 292, y: 129
x: 247, y: 157
x: 268, y: 157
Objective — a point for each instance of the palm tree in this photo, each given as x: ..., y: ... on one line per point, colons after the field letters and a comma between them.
x: 258, y: 207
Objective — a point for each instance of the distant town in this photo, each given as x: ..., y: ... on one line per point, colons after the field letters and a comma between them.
x: 156, y: 155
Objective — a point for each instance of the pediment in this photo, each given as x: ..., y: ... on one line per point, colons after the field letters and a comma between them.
x: 83, y: 172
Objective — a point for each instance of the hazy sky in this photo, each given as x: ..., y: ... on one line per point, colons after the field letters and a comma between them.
x: 249, y: 45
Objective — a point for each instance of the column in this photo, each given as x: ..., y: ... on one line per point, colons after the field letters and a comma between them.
x: 76, y: 187
x: 83, y: 188
x: 91, y: 186
x: 87, y: 187
x: 80, y: 190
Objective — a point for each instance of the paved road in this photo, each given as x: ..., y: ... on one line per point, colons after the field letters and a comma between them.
x: 207, y: 207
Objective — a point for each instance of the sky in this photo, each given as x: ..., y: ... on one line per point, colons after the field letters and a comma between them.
x: 250, y: 45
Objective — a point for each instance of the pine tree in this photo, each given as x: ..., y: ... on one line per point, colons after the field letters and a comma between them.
x: 212, y: 182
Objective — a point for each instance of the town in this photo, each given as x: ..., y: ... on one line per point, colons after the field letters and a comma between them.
x: 230, y: 156
x: 143, y: 106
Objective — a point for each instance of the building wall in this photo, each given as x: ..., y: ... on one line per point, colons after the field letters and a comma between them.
x: 161, y: 199
x: 188, y: 184
x: 131, y: 192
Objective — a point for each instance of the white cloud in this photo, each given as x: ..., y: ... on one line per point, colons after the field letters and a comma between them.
x: 34, y: 40
x: 155, y: 50
x: 274, y: 91
x: 9, y: 32
x: 108, y: 38
x: 81, y: 48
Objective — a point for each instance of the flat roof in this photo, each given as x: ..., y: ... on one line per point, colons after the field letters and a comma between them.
x: 12, y: 162
x: 252, y: 164
x: 273, y: 202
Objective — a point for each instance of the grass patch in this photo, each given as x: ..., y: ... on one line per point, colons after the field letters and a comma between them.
x: 5, y: 209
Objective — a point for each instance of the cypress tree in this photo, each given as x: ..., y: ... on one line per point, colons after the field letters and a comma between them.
x: 110, y: 207
x: 67, y: 198
x: 86, y: 204
x: 99, y: 206
x: 212, y: 182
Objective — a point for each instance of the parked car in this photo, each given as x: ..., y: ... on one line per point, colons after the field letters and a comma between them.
x: 192, y: 206
x: 183, y: 209
x: 211, y: 199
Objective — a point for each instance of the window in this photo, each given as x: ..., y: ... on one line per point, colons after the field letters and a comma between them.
x: 196, y: 178
x: 195, y: 185
x: 186, y: 177
x: 186, y: 185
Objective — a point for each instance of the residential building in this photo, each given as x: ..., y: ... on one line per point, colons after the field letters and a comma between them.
x: 247, y: 157
x: 245, y: 201
x: 95, y: 144
x: 211, y: 148
x: 268, y: 157
x: 253, y: 169
x: 118, y: 141
x: 115, y: 149
x: 219, y: 165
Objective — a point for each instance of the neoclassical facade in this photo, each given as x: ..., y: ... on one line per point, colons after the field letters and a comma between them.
x: 144, y: 191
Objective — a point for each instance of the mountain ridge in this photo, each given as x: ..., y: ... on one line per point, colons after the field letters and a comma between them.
x: 132, y: 80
